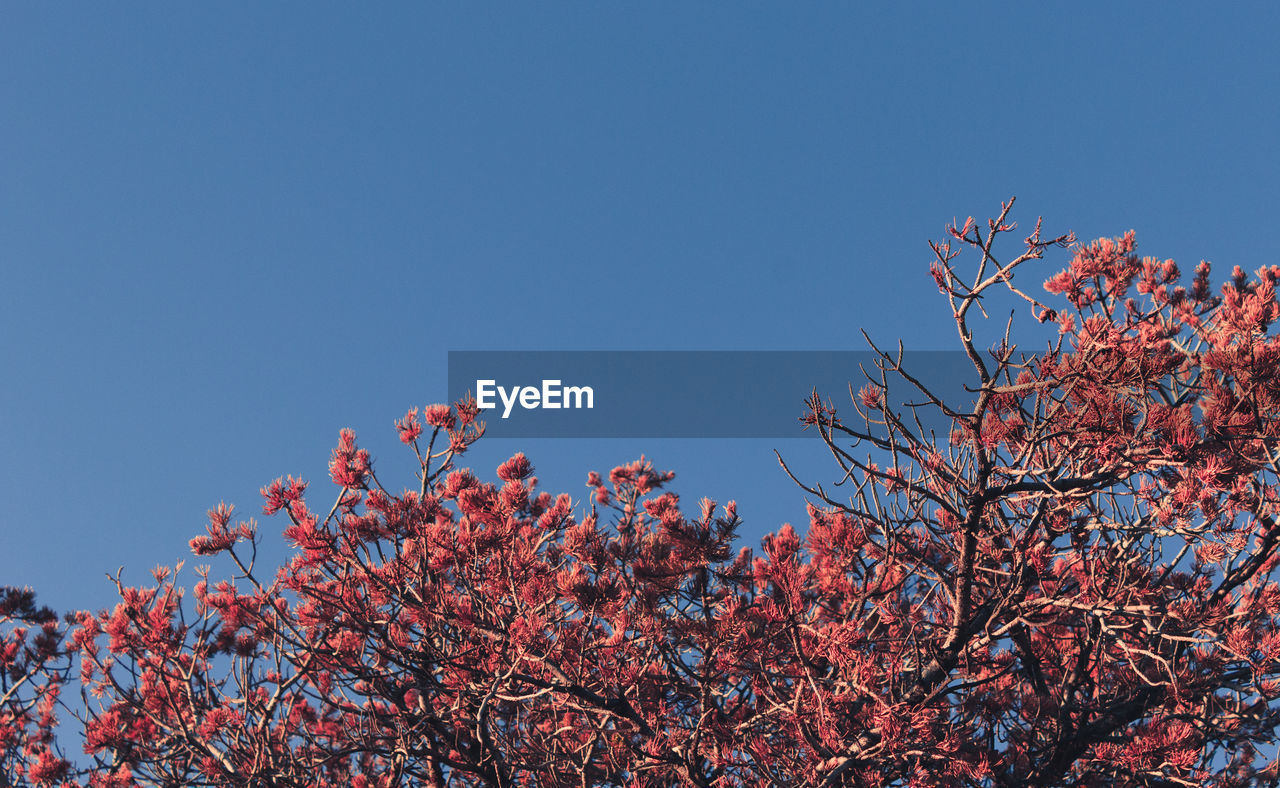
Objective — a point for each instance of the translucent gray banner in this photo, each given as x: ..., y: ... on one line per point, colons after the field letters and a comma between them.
x: 686, y: 394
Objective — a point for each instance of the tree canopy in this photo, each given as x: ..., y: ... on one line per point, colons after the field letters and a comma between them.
x: 1072, y: 583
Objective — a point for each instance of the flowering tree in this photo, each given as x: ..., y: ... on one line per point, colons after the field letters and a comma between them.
x: 1075, y: 585
x: 33, y: 670
x: 1072, y: 585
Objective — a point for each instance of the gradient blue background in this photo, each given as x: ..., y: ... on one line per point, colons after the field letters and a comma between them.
x: 229, y: 230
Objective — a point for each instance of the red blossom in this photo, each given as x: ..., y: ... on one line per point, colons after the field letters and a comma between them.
x: 409, y: 426
x: 349, y: 465
x: 518, y: 467
x: 440, y: 416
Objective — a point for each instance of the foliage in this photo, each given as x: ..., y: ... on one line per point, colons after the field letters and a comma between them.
x: 1073, y: 585
x: 33, y: 670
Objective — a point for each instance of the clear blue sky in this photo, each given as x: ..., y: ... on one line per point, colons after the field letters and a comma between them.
x: 229, y: 230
